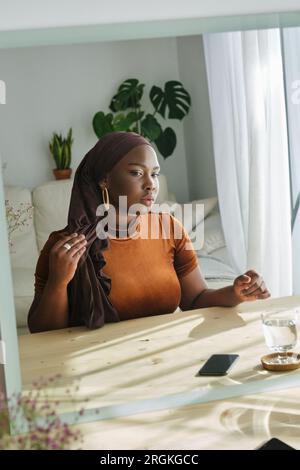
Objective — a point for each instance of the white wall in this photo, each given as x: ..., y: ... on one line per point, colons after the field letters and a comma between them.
x: 23, y: 14
x: 56, y: 87
x: 197, y: 125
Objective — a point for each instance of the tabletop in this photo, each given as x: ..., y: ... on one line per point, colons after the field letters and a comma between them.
x: 142, y: 375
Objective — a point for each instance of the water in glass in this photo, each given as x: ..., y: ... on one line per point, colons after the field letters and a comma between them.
x: 280, y: 331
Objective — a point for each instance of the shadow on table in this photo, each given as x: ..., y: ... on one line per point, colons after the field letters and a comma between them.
x: 216, y: 321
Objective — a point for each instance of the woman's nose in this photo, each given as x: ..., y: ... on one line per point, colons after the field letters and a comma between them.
x: 149, y: 185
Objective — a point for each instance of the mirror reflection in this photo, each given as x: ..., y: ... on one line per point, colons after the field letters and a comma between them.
x: 232, y: 148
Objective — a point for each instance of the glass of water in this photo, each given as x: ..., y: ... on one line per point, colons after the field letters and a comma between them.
x: 280, y: 331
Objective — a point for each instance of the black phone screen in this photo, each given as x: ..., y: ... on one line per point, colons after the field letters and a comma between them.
x: 218, y: 364
x: 275, y: 444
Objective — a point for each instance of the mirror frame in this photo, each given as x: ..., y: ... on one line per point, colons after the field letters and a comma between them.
x: 10, y: 370
x: 145, y: 29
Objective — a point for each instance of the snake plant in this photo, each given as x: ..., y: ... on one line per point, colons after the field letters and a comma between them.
x: 61, y: 150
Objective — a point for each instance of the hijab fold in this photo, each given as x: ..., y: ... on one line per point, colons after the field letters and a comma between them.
x: 89, y: 289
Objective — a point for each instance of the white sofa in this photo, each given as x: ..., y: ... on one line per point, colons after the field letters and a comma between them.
x: 50, y: 202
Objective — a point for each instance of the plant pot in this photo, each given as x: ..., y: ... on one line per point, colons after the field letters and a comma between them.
x: 62, y: 174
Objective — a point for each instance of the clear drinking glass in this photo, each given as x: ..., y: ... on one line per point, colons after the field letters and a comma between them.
x: 280, y: 331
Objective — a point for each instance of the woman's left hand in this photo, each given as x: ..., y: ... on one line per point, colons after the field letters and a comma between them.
x: 250, y: 286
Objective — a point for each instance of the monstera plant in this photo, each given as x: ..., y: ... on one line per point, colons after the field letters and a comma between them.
x: 172, y: 102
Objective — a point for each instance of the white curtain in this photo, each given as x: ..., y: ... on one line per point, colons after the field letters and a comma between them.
x: 246, y: 92
x: 291, y: 48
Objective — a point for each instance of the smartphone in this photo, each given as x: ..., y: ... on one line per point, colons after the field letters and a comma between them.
x: 275, y: 444
x: 218, y: 364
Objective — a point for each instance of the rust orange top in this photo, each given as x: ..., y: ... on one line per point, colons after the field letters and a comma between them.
x: 144, y: 270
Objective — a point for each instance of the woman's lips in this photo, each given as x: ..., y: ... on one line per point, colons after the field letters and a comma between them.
x: 147, y: 201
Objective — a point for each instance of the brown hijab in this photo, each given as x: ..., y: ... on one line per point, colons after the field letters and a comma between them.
x: 89, y: 289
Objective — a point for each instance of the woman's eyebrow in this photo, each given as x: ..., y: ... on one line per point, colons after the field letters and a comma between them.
x: 141, y: 164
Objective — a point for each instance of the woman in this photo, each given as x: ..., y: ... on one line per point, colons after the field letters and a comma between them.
x: 90, y: 273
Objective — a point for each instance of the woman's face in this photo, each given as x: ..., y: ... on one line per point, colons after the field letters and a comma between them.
x: 134, y: 176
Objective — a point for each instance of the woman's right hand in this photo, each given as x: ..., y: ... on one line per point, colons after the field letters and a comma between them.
x: 63, y: 262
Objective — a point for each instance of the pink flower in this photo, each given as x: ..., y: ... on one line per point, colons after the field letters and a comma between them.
x: 54, y: 434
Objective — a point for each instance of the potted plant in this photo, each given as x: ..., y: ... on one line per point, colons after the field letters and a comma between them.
x: 61, y: 151
x: 172, y: 102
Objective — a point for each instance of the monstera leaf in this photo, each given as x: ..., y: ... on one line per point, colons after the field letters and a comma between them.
x: 129, y: 95
x: 174, y: 97
x: 172, y: 102
x: 166, y: 142
x: 150, y: 128
x: 102, y: 124
x: 123, y: 122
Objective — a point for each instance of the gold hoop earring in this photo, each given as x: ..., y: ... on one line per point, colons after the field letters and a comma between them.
x: 105, y: 197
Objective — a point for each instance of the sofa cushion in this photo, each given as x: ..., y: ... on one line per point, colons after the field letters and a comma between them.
x: 163, y: 189
x: 213, y: 233
x: 189, y: 214
x: 51, y: 202
x: 23, y: 282
x: 22, y: 305
x: 23, y: 252
x: 23, y: 287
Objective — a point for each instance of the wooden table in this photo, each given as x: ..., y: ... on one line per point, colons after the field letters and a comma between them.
x: 159, y: 356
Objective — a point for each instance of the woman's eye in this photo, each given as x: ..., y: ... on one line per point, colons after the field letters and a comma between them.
x: 138, y: 173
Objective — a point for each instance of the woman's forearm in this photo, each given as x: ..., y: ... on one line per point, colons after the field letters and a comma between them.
x: 224, y: 297
x: 50, y: 311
